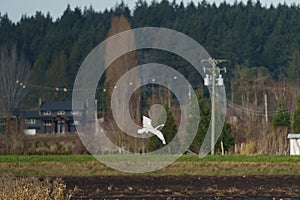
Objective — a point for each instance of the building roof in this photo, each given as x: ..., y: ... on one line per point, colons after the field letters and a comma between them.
x: 27, y: 114
x: 61, y: 105
x: 293, y: 136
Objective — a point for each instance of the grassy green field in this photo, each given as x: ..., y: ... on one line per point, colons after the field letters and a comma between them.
x: 86, y: 165
x: 184, y: 158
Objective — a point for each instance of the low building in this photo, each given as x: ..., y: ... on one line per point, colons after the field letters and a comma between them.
x: 294, y: 144
x: 32, y: 121
x: 52, y: 117
x: 57, y: 116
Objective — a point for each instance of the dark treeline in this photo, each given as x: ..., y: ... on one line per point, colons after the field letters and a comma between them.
x: 245, y: 34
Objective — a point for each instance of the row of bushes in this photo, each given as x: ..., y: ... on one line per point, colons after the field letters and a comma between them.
x: 68, y: 144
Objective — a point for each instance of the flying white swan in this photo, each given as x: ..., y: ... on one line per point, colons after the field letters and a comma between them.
x: 147, y: 127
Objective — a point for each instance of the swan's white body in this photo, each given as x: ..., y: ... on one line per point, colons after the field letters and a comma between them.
x: 147, y: 127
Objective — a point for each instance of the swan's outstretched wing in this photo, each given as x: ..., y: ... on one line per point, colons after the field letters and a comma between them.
x: 159, y: 126
x: 159, y: 135
x: 147, y: 122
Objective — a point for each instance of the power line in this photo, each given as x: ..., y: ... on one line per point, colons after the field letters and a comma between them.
x: 231, y: 104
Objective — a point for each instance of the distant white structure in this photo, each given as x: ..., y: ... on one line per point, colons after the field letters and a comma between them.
x: 147, y: 127
x: 294, y: 144
x: 30, y: 131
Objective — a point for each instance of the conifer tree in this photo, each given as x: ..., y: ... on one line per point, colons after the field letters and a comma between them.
x: 282, y: 116
x: 296, y: 118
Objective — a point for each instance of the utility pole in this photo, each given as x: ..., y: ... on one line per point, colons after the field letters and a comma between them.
x: 213, y: 69
x: 266, y: 108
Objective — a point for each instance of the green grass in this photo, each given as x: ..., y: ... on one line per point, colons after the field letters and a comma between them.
x: 185, y: 158
x: 45, y: 158
x: 240, y: 158
x: 86, y: 165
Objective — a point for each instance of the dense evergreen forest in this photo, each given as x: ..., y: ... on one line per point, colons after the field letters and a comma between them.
x: 40, y: 56
x: 247, y: 35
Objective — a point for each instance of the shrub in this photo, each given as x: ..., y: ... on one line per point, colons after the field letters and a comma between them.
x: 32, y: 188
x: 282, y: 116
x: 250, y: 149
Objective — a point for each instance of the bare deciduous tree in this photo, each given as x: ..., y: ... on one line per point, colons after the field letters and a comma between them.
x: 14, y: 134
x: 14, y: 72
x: 122, y: 65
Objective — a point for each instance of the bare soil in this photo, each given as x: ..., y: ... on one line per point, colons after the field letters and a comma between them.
x: 184, y: 187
